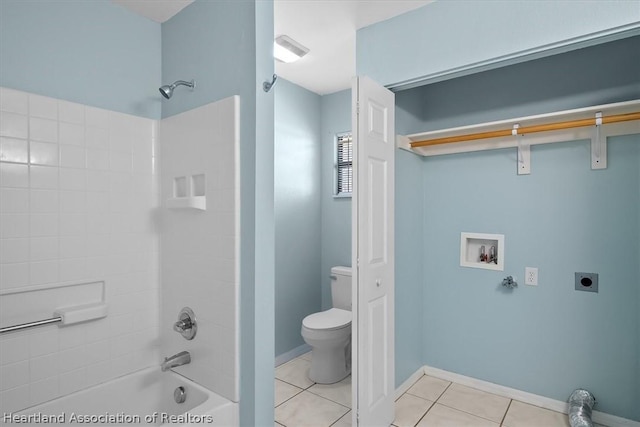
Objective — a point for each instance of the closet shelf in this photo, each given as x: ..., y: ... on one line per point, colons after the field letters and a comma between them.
x: 596, y: 123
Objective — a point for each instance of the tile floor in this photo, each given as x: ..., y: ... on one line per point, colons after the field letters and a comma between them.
x: 430, y: 402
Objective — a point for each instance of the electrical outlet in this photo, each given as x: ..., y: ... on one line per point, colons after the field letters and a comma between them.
x: 531, y: 276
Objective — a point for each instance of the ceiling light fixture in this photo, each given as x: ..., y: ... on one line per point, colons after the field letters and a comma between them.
x: 286, y: 49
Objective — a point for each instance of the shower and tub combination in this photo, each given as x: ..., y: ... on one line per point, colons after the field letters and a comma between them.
x: 143, y: 356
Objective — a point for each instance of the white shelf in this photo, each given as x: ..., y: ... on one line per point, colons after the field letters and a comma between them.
x: 194, y: 202
x: 471, y: 248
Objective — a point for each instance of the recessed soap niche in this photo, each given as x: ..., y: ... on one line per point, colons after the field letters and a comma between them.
x: 189, y: 192
x: 481, y: 250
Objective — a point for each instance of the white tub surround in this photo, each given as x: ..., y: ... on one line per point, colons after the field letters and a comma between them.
x: 200, y: 245
x: 144, y: 397
x: 78, y: 193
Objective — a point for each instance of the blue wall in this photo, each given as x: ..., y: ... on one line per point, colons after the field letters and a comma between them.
x: 435, y: 39
x: 297, y: 211
x: 336, y: 212
x: 563, y: 218
x: 91, y: 52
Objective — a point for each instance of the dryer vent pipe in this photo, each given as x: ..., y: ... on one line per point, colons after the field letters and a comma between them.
x: 580, y: 406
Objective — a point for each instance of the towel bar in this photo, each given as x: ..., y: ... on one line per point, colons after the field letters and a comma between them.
x: 30, y: 324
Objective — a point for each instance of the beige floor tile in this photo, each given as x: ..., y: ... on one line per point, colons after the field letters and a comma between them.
x: 339, y: 392
x: 443, y: 416
x: 295, y: 372
x: 284, y: 391
x: 306, y: 356
x: 475, y: 402
x: 525, y: 415
x: 277, y: 425
x: 309, y: 410
x: 429, y: 388
x: 345, y: 421
x: 409, y: 410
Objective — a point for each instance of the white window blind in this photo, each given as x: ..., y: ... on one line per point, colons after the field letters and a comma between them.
x: 344, y: 164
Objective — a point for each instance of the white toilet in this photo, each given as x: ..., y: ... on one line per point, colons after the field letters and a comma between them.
x: 329, y: 332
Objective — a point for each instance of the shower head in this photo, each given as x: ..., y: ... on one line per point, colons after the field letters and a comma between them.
x: 167, y: 90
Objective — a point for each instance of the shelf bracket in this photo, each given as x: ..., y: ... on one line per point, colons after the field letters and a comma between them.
x: 598, y: 145
x: 524, y: 152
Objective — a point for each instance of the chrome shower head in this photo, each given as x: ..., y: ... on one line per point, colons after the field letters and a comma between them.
x: 167, y: 90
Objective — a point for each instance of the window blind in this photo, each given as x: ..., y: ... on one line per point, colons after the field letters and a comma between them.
x: 344, y: 164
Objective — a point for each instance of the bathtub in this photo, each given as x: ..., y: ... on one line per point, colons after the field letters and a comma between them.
x: 143, y: 397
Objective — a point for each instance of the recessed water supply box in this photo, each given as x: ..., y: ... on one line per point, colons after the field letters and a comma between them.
x: 481, y: 250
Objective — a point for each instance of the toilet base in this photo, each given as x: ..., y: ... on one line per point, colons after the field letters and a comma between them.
x: 330, y: 365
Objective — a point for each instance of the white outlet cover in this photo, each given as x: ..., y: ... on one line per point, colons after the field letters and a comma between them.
x: 531, y: 276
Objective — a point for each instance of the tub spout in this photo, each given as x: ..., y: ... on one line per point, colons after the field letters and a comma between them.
x: 179, y: 359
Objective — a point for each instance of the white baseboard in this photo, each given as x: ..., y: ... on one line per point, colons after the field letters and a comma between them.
x: 292, y: 354
x: 522, y: 396
x: 409, y: 382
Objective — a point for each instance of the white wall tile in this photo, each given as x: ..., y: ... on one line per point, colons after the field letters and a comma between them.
x: 44, y: 201
x: 73, y: 225
x: 15, y: 399
x: 72, y: 270
x: 14, y: 375
x: 45, y: 342
x: 43, y: 177
x: 70, y: 112
x: 14, y: 125
x: 14, y: 275
x: 14, y: 150
x: 71, y: 134
x: 43, y: 249
x: 73, y: 381
x: 75, y: 219
x: 72, y: 247
x: 43, y: 225
x: 44, y: 390
x: 97, y: 159
x: 120, y: 161
x: 43, y: 272
x: 72, y: 156
x: 14, y: 175
x: 73, y: 202
x: 14, y: 225
x: 96, y: 117
x: 14, y: 200
x: 42, y: 106
x: 73, y: 179
x: 44, y: 153
x: 42, y: 367
x: 43, y: 130
x: 14, y: 250
x: 14, y: 101
x: 13, y: 348
x: 96, y: 138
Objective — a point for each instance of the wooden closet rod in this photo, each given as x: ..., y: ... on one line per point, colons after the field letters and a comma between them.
x: 527, y: 129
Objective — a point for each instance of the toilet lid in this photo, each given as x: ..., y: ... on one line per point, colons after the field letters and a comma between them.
x: 334, y: 318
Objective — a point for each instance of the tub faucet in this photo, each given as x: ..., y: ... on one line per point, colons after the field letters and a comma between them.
x: 179, y: 359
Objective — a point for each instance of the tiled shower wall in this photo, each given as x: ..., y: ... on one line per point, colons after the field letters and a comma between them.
x: 200, y: 248
x: 79, y: 198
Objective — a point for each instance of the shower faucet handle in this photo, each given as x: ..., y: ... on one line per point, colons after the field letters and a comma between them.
x: 186, y: 324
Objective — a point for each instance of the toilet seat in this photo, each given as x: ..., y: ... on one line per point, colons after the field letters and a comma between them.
x: 328, y: 320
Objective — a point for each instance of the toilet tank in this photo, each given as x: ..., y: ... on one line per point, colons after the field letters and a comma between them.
x: 341, y: 287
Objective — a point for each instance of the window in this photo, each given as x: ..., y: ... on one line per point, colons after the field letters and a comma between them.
x: 344, y: 165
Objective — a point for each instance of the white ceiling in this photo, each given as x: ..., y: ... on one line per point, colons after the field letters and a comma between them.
x: 327, y: 27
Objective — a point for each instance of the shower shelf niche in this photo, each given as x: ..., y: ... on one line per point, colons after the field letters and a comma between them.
x: 189, y: 192
x: 471, y: 249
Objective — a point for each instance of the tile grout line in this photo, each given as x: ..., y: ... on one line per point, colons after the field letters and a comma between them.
x: 434, y: 402
x: 505, y: 412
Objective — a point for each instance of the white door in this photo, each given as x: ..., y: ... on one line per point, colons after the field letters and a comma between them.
x: 373, y: 377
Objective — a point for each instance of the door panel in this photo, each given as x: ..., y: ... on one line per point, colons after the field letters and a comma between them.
x: 373, y: 254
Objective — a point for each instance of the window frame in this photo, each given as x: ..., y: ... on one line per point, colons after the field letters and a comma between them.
x: 336, y: 165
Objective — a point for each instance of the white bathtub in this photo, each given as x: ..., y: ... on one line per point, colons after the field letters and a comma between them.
x: 143, y: 397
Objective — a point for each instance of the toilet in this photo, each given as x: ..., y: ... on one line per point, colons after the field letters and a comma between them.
x: 329, y: 332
